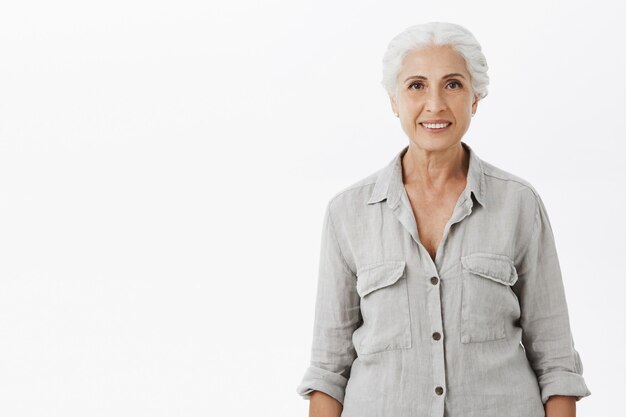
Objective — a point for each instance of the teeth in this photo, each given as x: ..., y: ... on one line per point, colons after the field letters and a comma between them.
x: 436, y: 125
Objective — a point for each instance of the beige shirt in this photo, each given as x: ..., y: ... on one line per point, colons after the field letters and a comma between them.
x: 483, y: 330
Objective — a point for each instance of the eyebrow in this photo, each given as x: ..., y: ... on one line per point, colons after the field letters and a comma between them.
x: 421, y: 77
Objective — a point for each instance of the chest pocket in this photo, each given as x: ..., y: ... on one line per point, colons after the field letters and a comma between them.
x: 384, y: 307
x: 487, y: 300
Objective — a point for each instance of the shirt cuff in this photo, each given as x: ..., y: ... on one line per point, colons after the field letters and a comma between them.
x: 318, y: 379
x: 562, y: 383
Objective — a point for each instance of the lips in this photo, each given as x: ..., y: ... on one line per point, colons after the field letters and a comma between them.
x: 435, y: 121
x: 436, y: 130
x: 439, y: 123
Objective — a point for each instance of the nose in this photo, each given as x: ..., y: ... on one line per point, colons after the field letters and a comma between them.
x: 435, y: 102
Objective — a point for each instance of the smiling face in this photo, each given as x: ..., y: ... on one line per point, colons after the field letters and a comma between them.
x: 426, y: 92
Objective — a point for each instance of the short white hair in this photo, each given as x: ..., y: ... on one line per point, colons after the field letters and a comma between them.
x: 431, y: 34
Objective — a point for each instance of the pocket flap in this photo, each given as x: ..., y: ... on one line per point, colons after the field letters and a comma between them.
x: 373, y: 277
x: 496, y: 267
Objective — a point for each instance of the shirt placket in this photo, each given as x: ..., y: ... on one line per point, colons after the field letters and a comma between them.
x: 404, y: 213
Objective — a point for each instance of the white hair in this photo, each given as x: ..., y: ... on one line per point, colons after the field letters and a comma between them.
x: 431, y: 34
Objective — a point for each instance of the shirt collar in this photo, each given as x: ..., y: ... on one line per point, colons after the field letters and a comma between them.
x: 389, y: 184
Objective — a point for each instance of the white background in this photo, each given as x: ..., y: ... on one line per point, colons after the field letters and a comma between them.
x: 164, y: 167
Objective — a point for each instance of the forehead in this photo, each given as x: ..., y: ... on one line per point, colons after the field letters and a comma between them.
x: 433, y: 62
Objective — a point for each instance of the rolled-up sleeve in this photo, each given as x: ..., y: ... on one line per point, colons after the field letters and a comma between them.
x: 546, y: 333
x: 337, y: 315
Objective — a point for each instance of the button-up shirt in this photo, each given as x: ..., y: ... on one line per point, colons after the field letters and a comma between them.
x: 482, y: 330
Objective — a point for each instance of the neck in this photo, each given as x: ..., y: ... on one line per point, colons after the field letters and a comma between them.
x: 434, y: 169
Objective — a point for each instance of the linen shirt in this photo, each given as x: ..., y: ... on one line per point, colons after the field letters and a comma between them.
x: 482, y: 330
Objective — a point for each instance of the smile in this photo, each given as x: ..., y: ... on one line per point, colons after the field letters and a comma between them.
x: 436, y: 127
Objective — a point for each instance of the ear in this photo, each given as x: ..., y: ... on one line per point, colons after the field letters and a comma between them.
x: 394, y: 104
x: 475, y: 104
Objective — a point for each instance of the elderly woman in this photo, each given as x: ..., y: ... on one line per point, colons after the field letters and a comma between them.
x: 440, y: 291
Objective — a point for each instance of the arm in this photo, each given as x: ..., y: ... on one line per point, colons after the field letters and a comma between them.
x: 546, y: 334
x: 560, y: 406
x: 323, y: 405
x: 337, y: 315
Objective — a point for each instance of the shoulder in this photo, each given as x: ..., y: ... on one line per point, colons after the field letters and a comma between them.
x: 354, y: 195
x: 503, y: 183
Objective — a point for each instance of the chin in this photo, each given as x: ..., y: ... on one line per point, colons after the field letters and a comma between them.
x: 433, y: 143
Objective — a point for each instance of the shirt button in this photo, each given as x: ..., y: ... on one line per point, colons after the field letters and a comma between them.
x: 436, y: 335
x: 434, y: 280
x: 438, y: 390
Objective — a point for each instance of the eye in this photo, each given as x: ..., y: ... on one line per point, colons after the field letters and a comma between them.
x: 419, y: 86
